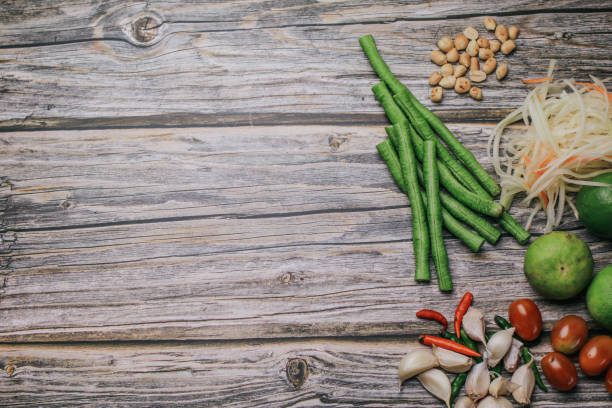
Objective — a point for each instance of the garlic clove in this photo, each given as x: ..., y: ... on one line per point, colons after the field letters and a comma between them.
x: 414, y: 363
x: 501, y: 386
x: 478, y: 381
x: 437, y: 383
x: 525, y: 379
x: 464, y: 402
x: 451, y: 361
x: 498, y: 345
x: 473, y: 323
x: 511, y: 359
x: 492, y: 402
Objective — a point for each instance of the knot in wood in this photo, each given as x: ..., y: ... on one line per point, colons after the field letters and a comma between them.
x: 145, y: 29
x: 297, y: 371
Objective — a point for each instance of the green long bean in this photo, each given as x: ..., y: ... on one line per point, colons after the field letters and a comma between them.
x: 382, y: 93
x: 454, y: 145
x: 380, y: 66
x: 420, y: 236
x: 468, y: 237
x: 434, y: 217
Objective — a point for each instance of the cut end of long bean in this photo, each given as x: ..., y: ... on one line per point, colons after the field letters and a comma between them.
x: 514, y: 228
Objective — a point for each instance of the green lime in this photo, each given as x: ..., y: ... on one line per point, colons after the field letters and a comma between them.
x: 595, y: 206
x: 599, y: 297
x: 558, y: 265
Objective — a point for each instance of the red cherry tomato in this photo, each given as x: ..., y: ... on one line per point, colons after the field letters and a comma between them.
x: 559, y: 371
x: 596, y: 356
x: 526, y: 318
x: 608, y: 380
x: 569, y: 334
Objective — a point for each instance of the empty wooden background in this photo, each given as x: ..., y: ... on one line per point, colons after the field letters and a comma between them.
x: 193, y: 212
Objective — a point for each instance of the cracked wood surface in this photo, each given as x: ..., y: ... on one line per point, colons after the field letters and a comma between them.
x: 205, y: 173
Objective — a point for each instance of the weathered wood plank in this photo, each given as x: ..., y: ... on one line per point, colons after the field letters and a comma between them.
x: 226, y: 234
x: 202, y: 72
x: 339, y: 374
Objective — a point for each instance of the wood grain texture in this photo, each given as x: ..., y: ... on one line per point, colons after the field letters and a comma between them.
x: 341, y: 373
x: 228, y: 233
x: 60, y: 68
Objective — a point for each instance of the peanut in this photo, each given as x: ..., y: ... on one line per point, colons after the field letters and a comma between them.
x: 471, y: 33
x: 460, y: 70
x: 484, y: 54
x: 438, y: 57
x: 478, y: 76
x: 461, y: 41
x: 474, y: 64
x: 476, y: 93
x: 464, y: 59
x: 462, y: 85
x: 448, y: 82
x: 494, y: 45
x: 452, y: 55
x: 434, y: 78
x: 446, y: 70
x: 483, y: 42
x: 513, y: 32
x: 507, y: 47
x: 436, y: 94
x: 489, y: 23
x: 472, y: 48
x: 501, y: 71
x: 501, y: 33
x: 445, y: 44
x: 489, y: 65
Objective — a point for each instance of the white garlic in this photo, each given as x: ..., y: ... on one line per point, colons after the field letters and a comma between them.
x: 452, y: 361
x: 511, y: 359
x: 525, y: 380
x: 498, y: 345
x: 464, y: 402
x: 416, y: 362
x: 492, y: 402
x: 501, y: 386
x: 437, y: 383
x: 473, y: 323
x: 477, y: 381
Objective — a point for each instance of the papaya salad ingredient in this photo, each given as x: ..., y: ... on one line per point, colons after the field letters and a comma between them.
x: 525, y: 316
x: 594, y: 205
x: 599, y: 297
x: 565, y: 143
x: 596, y: 355
x: 569, y: 334
x: 559, y: 371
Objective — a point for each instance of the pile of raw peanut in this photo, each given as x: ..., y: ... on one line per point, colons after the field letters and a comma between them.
x: 473, y: 48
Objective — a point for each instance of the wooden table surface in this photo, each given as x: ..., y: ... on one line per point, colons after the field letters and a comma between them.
x: 193, y: 212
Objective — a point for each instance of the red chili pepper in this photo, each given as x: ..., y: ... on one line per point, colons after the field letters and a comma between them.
x: 432, y: 315
x: 447, y: 344
x: 463, y: 306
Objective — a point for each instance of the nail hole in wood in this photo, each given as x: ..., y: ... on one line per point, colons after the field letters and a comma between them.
x: 297, y: 371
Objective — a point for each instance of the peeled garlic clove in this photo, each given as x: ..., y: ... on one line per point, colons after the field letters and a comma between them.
x: 498, y: 345
x: 437, y: 383
x: 492, y: 402
x: 473, y: 323
x: 511, y: 359
x: 451, y: 361
x: 501, y: 386
x: 464, y: 402
x: 477, y: 382
x: 524, y: 378
x: 416, y: 362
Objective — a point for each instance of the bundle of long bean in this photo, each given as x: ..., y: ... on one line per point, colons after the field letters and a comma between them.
x: 413, y: 138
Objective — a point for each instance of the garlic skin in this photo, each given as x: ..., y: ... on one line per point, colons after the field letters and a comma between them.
x: 473, y: 323
x: 451, y: 361
x: 501, y: 386
x: 478, y: 381
x: 437, y: 383
x: 414, y: 363
x: 512, y: 358
x: 498, y: 346
x: 525, y: 379
x: 464, y: 402
x: 492, y: 402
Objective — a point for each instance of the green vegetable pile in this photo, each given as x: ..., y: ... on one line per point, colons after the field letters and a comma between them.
x: 419, y: 162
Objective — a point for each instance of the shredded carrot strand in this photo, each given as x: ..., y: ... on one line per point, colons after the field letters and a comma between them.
x: 595, y: 88
x: 535, y: 80
x: 544, y: 198
x: 543, y: 163
x: 527, y: 160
